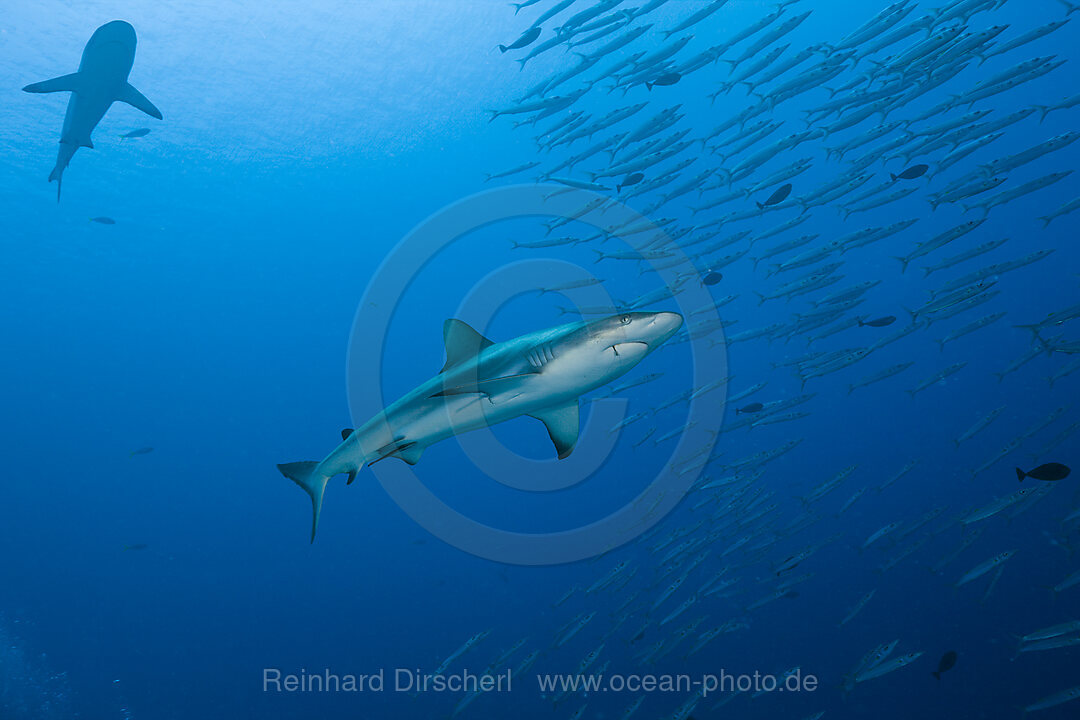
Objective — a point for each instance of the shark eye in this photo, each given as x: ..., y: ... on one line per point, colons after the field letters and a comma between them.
x: 625, y: 319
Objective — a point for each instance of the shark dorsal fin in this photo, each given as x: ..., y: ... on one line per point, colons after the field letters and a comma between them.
x: 462, y: 343
x: 562, y: 426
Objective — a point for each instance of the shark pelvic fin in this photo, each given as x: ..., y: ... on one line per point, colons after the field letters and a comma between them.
x: 346, y: 433
x: 410, y: 452
x: 134, y: 98
x: 462, y: 343
x: 64, y: 83
x: 306, y: 475
x: 562, y: 426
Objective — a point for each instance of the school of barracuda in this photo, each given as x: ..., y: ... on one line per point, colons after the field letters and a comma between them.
x: 735, y: 547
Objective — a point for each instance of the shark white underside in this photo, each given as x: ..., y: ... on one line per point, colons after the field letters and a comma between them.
x: 542, y: 374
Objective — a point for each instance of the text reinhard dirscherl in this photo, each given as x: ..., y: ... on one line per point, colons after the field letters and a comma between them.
x: 410, y: 680
x: 401, y: 680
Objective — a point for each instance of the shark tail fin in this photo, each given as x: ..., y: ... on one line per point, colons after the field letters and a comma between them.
x: 63, y: 158
x: 306, y: 475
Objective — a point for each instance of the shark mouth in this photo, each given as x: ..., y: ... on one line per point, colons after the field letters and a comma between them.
x: 627, y: 346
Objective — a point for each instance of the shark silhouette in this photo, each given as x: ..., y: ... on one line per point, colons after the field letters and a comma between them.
x: 100, y: 81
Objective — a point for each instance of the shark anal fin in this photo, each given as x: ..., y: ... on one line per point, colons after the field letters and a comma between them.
x: 562, y: 425
x: 462, y: 342
x: 137, y: 100
x: 494, y: 386
x: 64, y: 83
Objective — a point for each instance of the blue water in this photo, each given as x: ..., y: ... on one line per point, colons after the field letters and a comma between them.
x: 213, y: 323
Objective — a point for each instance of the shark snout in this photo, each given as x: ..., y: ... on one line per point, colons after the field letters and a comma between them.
x: 661, y: 326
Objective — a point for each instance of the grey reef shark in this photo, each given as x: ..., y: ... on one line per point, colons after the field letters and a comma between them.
x: 541, y: 374
x: 102, y: 79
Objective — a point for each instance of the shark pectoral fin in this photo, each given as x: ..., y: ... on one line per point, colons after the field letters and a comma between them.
x: 562, y: 425
x: 306, y: 475
x: 137, y: 100
x: 64, y: 83
x: 494, y: 386
x: 462, y: 343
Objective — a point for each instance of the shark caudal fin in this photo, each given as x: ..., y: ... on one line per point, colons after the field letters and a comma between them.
x: 306, y: 475
x: 67, y: 151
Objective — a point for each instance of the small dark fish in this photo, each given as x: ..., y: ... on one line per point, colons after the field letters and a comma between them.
x: 947, y: 662
x: 141, y: 451
x: 103, y: 220
x: 136, y: 546
x: 526, y: 39
x: 711, y: 278
x: 751, y: 408
x: 779, y: 195
x: 911, y: 173
x: 631, y: 179
x: 665, y: 79
x: 141, y: 132
x: 879, y: 322
x: 784, y: 567
x: 1048, y: 472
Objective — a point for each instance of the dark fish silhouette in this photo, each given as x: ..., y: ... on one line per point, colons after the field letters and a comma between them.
x: 947, y: 662
x: 1048, y: 472
x: 525, y: 40
x: 879, y: 322
x: 712, y: 278
x: 779, y: 195
x: 665, y: 79
x: 141, y: 451
x: 911, y: 173
x: 100, y: 81
x: 141, y: 132
x: 751, y: 408
x: 103, y: 220
x: 631, y: 179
